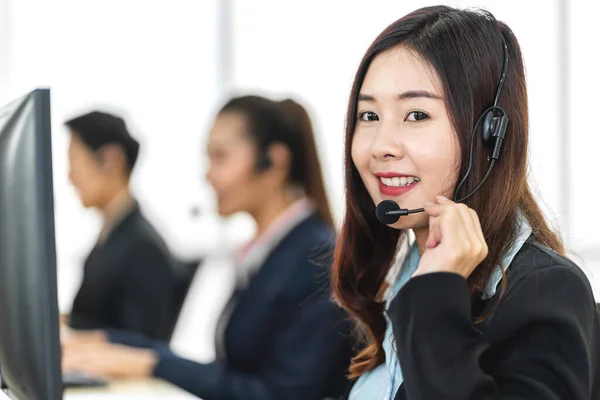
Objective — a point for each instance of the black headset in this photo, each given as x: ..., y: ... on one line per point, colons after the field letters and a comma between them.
x: 494, y: 123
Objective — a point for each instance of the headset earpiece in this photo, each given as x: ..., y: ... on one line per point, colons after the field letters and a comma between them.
x: 264, y: 161
x: 489, y: 127
x: 494, y: 121
x: 493, y: 127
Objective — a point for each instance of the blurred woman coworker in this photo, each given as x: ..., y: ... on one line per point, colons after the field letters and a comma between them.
x: 128, y: 280
x: 485, y: 305
x: 282, y: 337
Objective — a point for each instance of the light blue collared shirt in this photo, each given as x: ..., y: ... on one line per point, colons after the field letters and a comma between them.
x: 383, y: 382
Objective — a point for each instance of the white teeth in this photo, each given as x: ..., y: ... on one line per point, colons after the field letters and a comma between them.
x: 399, y: 181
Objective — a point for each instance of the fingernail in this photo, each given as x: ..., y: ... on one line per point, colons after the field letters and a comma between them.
x: 427, y: 204
x: 441, y: 198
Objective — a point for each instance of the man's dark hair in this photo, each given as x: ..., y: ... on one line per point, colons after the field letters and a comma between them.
x: 96, y: 129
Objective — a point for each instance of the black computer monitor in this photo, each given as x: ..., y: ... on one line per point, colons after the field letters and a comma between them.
x: 30, y: 356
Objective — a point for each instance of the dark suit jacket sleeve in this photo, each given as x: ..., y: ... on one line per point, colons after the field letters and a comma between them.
x: 146, y: 295
x: 549, y: 315
x: 303, y: 340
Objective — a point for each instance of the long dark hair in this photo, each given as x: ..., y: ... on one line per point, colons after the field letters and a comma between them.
x: 465, y: 49
x: 286, y: 122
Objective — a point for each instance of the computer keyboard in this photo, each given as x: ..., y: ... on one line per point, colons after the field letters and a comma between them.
x: 80, y: 379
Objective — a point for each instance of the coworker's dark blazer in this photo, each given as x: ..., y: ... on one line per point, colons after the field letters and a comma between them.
x: 541, y: 342
x: 285, y: 339
x: 128, y: 282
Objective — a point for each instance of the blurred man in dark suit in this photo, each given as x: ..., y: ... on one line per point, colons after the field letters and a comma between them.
x: 129, y: 276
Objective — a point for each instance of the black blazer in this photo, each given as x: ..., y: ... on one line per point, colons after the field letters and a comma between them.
x: 541, y: 341
x: 128, y: 282
x: 285, y: 339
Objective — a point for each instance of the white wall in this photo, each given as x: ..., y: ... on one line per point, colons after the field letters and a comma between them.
x: 583, y: 133
x: 4, y: 45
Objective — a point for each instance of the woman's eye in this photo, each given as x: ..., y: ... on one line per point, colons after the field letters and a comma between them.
x: 368, y: 116
x: 416, y: 116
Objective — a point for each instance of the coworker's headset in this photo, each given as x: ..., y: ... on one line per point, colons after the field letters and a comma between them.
x: 263, y: 161
x: 494, y: 122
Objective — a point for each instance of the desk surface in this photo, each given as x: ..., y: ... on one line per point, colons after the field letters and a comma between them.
x: 150, y: 389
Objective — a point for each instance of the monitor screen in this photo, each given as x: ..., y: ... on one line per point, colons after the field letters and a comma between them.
x: 30, y: 363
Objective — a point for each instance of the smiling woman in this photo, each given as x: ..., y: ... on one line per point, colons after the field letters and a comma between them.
x: 413, y: 106
x: 485, y: 305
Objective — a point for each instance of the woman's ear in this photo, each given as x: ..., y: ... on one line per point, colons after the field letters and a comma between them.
x: 280, y: 156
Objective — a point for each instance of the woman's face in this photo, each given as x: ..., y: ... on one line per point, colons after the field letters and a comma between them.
x: 232, y: 170
x: 404, y: 145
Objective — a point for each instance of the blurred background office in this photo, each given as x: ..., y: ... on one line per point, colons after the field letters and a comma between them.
x: 168, y: 66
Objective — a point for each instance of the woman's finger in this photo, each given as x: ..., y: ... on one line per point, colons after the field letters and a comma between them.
x: 444, y: 200
x: 473, y: 245
x: 439, y: 207
x: 435, y: 234
x: 433, y: 210
x: 452, y: 226
x: 454, y: 223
